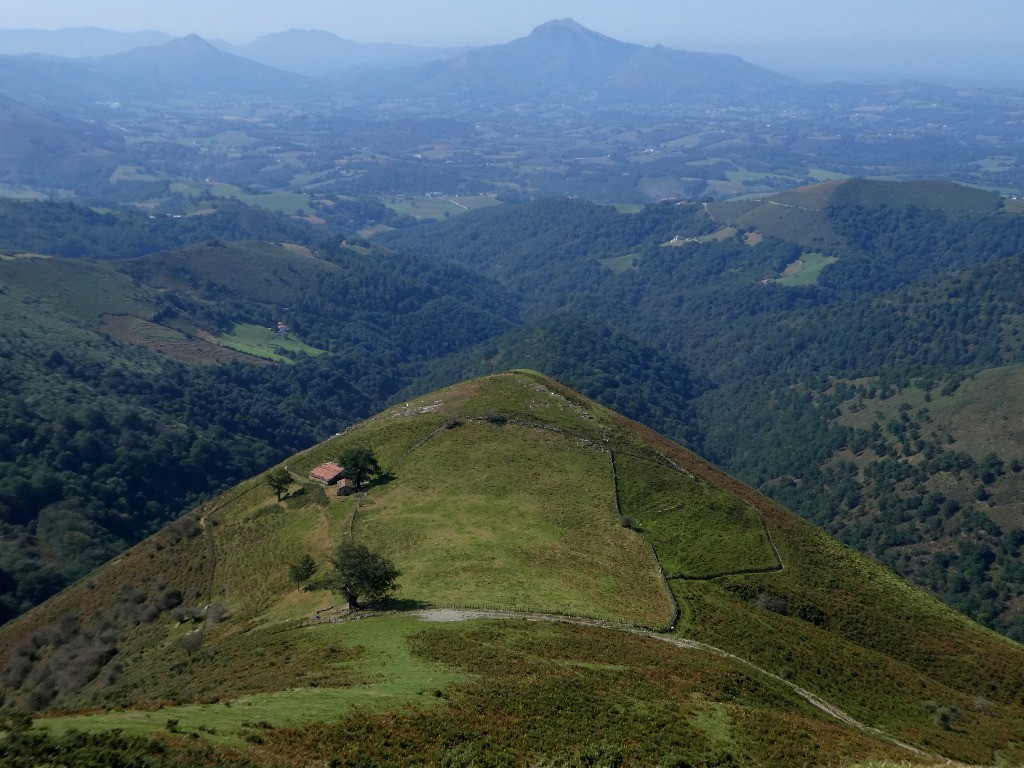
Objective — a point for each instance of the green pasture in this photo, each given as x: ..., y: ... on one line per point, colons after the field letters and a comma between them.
x: 434, y: 207
x: 263, y: 342
x: 258, y: 531
x: 742, y: 176
x: 726, y: 233
x: 620, y: 264
x: 131, y: 173
x: 375, y: 654
x: 996, y: 163
x: 291, y: 203
x: 820, y: 174
x: 237, y: 139
x: 723, y: 234
x: 697, y: 530
x: 1013, y: 204
x: 503, y: 516
x: 805, y: 270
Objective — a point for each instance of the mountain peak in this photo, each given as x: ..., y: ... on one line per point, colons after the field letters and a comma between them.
x: 566, y: 23
x: 191, y: 42
x: 569, y: 28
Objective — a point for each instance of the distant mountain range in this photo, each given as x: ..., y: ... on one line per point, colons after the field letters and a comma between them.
x: 565, y: 60
x: 76, y: 42
x: 181, y: 67
x: 311, y: 52
x: 316, y: 52
x: 192, y: 66
x: 560, y: 60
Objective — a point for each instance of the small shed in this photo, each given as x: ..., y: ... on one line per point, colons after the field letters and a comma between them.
x: 328, y: 473
x: 345, y: 487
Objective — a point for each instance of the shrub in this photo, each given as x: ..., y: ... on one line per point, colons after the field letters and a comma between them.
x: 773, y: 603
x: 191, y: 642
x: 493, y: 417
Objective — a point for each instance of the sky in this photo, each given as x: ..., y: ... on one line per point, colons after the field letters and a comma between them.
x: 707, y: 25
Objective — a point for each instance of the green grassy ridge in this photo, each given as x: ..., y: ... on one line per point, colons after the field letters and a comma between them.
x: 943, y: 195
x: 801, y: 215
x: 850, y: 630
x: 85, y: 291
x: 520, y: 517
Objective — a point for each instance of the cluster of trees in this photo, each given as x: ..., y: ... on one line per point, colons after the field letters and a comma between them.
x: 75, y: 231
x: 360, y: 575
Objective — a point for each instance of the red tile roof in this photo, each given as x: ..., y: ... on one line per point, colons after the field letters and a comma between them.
x: 327, y: 473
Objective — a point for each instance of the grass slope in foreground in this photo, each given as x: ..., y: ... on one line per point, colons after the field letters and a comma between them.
x: 509, y: 491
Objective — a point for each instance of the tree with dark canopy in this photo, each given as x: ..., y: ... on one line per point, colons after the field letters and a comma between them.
x: 302, y: 570
x: 360, y: 465
x: 279, y: 479
x: 360, y: 574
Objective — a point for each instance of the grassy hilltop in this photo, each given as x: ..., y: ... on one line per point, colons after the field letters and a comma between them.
x: 611, y: 599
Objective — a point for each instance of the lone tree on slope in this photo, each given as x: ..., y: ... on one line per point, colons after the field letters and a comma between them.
x: 360, y: 465
x: 279, y: 479
x: 302, y: 570
x: 360, y: 574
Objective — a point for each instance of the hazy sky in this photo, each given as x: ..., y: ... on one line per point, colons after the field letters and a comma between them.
x: 711, y: 24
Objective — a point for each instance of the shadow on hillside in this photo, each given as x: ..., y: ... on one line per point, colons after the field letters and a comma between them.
x: 382, y: 479
x: 400, y: 604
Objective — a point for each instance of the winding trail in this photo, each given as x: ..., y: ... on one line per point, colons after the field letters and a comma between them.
x: 445, y: 615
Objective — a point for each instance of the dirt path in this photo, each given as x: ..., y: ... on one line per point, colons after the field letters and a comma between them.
x: 446, y: 615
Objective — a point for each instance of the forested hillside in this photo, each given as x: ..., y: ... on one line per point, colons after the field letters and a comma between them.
x: 135, y: 387
x: 918, y: 295
x: 127, y: 400
x: 764, y: 334
x: 75, y: 231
